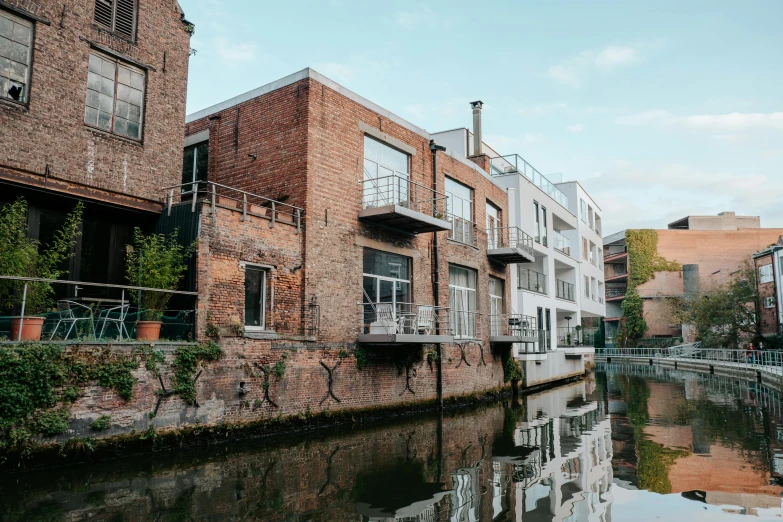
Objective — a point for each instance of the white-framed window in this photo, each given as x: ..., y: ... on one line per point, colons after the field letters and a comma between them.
x: 585, y: 249
x: 543, y: 226
x: 494, y: 226
x: 765, y: 274
x: 769, y: 302
x: 459, y: 207
x: 255, y: 296
x: 587, y: 287
x: 462, y: 296
x: 115, y: 96
x: 590, y: 216
x: 594, y: 288
x: 386, y: 175
x: 118, y: 16
x: 496, y: 305
x: 593, y: 256
x: 536, y: 222
x: 16, y: 51
x: 583, y: 210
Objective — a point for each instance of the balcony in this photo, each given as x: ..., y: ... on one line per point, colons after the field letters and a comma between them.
x: 561, y: 243
x: 532, y: 280
x: 611, y: 258
x: 465, y: 325
x: 462, y: 231
x: 616, y: 293
x: 613, y: 276
x: 509, y: 245
x: 565, y: 290
x: 397, y: 202
x: 570, y: 337
x: 404, y: 323
x: 515, y: 164
x: 512, y: 328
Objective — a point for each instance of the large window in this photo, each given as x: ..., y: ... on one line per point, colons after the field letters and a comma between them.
x: 115, y: 96
x: 16, y: 44
x: 496, y: 305
x: 536, y: 223
x: 255, y: 297
x: 543, y: 226
x: 493, y: 226
x: 194, y: 166
x: 765, y: 274
x: 387, y: 285
x: 386, y: 174
x: 583, y: 210
x: 462, y: 294
x: 769, y: 302
x: 119, y: 16
x: 460, y: 211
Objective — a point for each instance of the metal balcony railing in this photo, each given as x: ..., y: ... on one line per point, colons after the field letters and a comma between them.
x: 512, y: 325
x: 513, y: 164
x: 462, y: 231
x: 465, y: 324
x: 410, y: 319
x: 398, y: 189
x: 561, y: 243
x: 565, y: 290
x: 509, y: 237
x: 241, y: 200
x: 572, y: 337
x: 532, y: 280
x: 612, y: 292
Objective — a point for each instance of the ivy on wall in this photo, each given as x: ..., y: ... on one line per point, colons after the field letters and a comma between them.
x: 643, y: 262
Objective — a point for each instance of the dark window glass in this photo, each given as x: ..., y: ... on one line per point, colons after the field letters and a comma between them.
x: 194, y: 166
x: 255, y: 286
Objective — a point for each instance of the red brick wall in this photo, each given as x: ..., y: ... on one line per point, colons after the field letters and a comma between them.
x: 51, y: 131
x: 767, y: 316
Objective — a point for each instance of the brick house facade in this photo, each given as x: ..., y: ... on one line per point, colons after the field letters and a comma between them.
x: 768, y: 264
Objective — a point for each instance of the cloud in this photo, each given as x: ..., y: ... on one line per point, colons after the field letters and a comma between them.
x: 415, y: 17
x: 577, y: 127
x: 234, y: 53
x: 575, y: 69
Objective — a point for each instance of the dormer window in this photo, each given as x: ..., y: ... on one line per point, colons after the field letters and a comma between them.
x: 119, y: 16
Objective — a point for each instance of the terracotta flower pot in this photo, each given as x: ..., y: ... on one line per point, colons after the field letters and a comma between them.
x: 31, y: 328
x: 148, y: 330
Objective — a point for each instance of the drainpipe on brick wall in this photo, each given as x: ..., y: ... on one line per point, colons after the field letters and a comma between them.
x: 434, y: 148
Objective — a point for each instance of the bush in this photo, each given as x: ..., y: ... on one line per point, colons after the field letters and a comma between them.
x: 102, y: 423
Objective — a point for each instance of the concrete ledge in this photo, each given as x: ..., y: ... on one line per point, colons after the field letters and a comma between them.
x: 532, y: 357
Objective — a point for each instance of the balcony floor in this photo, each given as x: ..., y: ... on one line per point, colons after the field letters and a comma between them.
x: 384, y: 338
x: 403, y: 218
x: 505, y: 339
x: 510, y: 255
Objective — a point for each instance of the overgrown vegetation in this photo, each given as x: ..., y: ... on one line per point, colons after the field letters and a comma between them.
x: 156, y: 261
x: 102, y: 423
x: 512, y: 368
x: 643, y: 262
x: 361, y: 356
x: 25, y: 257
x: 599, y: 339
x: 188, y: 359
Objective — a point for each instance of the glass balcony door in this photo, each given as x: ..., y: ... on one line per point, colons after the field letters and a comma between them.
x: 387, y: 290
x: 386, y: 175
x: 496, y: 306
x: 462, y: 293
x: 493, y: 226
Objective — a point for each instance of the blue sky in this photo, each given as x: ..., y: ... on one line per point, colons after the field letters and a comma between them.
x: 660, y: 109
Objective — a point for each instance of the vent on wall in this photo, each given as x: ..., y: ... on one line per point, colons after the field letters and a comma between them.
x: 117, y: 15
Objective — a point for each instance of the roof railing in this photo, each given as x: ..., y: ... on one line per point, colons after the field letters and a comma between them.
x: 516, y: 164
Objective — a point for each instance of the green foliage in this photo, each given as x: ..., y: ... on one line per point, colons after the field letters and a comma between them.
x: 279, y: 367
x: 116, y: 375
x: 643, y: 258
x: 25, y: 257
x: 154, y: 360
x: 406, y: 357
x: 361, y: 356
x: 187, y: 359
x: 102, y: 423
x: 51, y: 423
x: 632, y: 325
x: 512, y: 368
x: 599, y: 339
x: 156, y: 261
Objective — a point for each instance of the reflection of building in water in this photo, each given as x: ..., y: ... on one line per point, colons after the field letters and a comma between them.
x: 560, y: 464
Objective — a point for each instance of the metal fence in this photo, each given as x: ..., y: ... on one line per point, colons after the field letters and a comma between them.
x: 102, y: 312
x: 398, y: 189
x: 564, y: 290
x: 754, y: 359
x: 516, y: 164
x: 509, y: 237
x: 405, y: 318
x: 513, y: 325
x: 532, y: 280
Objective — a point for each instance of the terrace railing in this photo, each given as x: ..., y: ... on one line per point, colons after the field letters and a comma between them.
x: 562, y: 243
x: 532, y: 280
x: 98, y: 318
x: 509, y: 237
x: 405, y: 318
x: 465, y: 324
x: 398, y: 189
x: 565, y: 290
x: 572, y: 337
x: 241, y: 200
x: 513, y: 325
x: 513, y: 164
x: 615, y: 291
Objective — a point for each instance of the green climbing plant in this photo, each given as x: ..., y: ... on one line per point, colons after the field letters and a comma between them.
x: 187, y: 360
x: 512, y: 368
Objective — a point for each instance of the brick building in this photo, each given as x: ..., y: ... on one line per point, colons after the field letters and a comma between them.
x: 769, y: 266
x: 710, y: 248
x: 92, y: 107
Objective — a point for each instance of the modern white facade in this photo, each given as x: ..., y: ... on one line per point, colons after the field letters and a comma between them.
x: 565, y: 282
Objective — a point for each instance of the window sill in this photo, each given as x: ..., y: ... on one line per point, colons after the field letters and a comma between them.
x: 260, y: 334
x: 101, y: 132
x: 456, y: 242
x: 21, y: 107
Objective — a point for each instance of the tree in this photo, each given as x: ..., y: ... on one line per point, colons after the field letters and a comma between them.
x: 632, y: 325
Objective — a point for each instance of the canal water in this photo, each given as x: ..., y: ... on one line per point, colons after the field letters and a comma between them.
x: 628, y: 443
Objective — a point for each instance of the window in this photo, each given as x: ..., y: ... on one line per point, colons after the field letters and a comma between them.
x: 600, y: 259
x: 386, y: 173
x: 765, y: 274
x: 590, y: 216
x: 493, y: 226
x: 592, y: 254
x: 496, y: 305
x: 386, y: 284
x: 119, y: 16
x: 194, y: 166
x: 536, y: 223
x: 584, y: 248
x: 769, y: 302
x: 115, y: 97
x: 583, y: 210
x: 462, y: 295
x: 16, y: 45
x: 459, y: 208
x: 587, y: 286
x: 594, y: 288
x: 543, y: 225
x: 255, y: 297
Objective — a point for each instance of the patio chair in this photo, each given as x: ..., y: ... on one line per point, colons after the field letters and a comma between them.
x: 425, y: 320
x: 384, y: 319
x: 114, y: 316
x: 65, y: 316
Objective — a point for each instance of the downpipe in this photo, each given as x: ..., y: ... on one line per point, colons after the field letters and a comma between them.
x: 434, y: 148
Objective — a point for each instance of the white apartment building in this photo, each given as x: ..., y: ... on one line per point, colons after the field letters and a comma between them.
x: 565, y: 282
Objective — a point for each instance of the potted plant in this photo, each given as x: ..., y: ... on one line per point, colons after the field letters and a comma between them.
x: 155, y: 261
x: 22, y: 256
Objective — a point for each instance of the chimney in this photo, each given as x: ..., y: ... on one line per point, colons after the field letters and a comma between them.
x: 477, y: 127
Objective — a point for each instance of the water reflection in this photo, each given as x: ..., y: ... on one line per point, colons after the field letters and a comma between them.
x: 636, y: 443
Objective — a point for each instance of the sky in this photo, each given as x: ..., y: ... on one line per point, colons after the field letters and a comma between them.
x: 659, y: 109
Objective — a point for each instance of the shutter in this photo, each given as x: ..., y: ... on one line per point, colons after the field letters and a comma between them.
x: 103, y: 10
x: 125, y: 17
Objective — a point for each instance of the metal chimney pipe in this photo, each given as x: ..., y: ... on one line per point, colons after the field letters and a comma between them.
x: 477, y: 127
